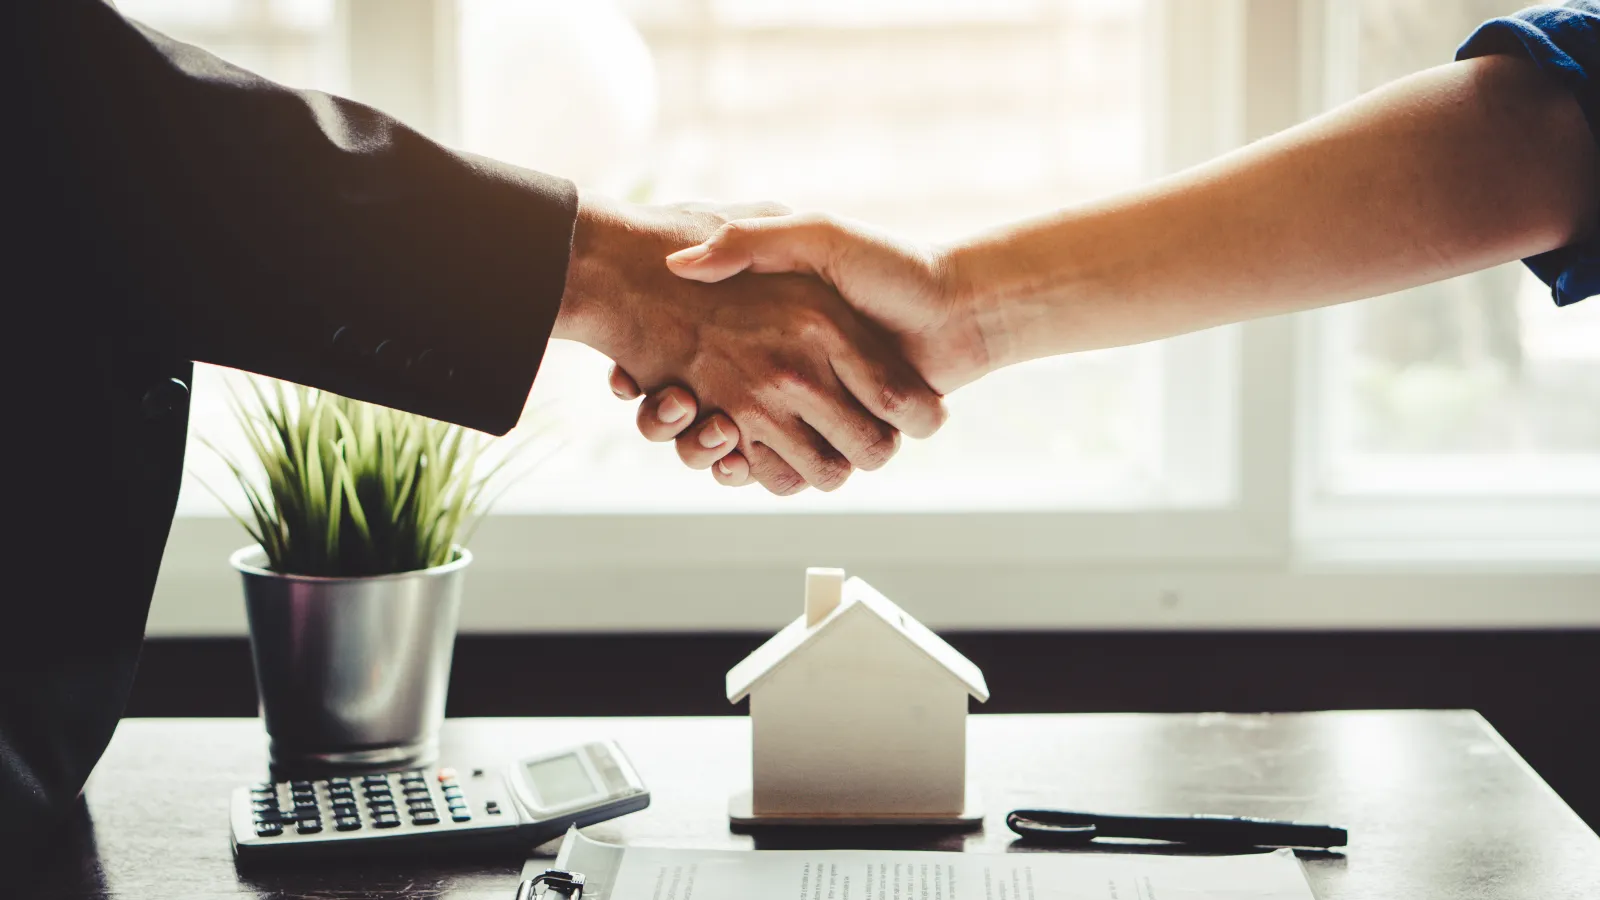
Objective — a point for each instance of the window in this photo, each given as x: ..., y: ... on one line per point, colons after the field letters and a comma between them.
x: 1477, y: 389
x: 932, y: 118
x: 1290, y: 472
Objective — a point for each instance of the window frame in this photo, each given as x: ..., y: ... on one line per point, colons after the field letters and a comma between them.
x: 1508, y: 528
x: 1227, y: 73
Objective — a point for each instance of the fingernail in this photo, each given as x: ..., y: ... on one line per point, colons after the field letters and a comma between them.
x: 690, y: 254
x: 620, y: 395
x: 723, y: 468
x: 670, y: 410
x: 712, y: 436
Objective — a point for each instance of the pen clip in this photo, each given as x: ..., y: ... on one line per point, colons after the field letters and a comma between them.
x: 1052, y: 825
x: 568, y: 884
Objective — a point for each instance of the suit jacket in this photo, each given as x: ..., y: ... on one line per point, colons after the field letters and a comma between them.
x: 163, y: 207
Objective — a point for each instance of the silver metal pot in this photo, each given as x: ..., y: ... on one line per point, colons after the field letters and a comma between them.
x: 352, y: 672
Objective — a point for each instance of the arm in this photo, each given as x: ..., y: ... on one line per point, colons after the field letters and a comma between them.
x: 1448, y: 171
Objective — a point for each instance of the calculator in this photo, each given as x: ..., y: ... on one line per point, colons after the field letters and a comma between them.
x: 442, y: 808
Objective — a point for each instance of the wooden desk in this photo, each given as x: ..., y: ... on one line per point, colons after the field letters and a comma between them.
x: 1438, y: 807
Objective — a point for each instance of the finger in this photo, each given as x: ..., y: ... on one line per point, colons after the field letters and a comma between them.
x: 777, y: 244
x: 709, y: 441
x: 732, y: 470
x: 886, y: 385
x: 844, y: 424
x: 770, y: 470
x: 666, y: 413
x: 847, y: 426
x: 623, y: 385
x: 807, y: 452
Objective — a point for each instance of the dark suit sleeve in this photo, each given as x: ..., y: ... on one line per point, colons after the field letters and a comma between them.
x: 297, y: 234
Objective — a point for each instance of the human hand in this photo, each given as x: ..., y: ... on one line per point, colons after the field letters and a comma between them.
x: 805, y: 388
x: 911, y: 290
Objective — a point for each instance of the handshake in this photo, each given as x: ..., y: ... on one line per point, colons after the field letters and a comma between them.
x: 782, y: 349
x: 792, y: 350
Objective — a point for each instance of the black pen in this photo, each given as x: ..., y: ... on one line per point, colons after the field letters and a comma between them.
x: 1063, y: 827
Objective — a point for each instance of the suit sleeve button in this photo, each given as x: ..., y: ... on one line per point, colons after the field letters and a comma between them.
x: 390, y: 357
x: 345, y: 343
x: 164, y: 399
x: 431, y: 364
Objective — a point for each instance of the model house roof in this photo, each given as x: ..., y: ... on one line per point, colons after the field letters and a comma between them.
x: 854, y: 598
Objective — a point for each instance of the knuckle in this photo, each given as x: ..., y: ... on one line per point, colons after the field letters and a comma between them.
x: 813, y: 325
x: 878, y: 451
x: 788, y: 381
x: 784, y: 483
x: 734, y: 231
x: 832, y: 473
x: 894, y: 400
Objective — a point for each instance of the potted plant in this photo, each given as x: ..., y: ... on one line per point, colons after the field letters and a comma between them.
x: 353, y: 585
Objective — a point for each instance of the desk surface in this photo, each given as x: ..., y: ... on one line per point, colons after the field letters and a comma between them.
x: 1437, y: 805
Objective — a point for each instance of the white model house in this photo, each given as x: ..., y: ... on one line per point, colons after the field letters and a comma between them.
x: 859, y: 713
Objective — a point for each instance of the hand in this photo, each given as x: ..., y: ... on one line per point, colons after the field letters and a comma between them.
x: 807, y: 389
x: 908, y: 289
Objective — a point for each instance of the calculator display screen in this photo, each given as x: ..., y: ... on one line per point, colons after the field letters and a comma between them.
x: 560, y: 780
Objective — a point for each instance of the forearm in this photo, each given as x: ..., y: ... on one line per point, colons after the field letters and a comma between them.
x: 1445, y: 172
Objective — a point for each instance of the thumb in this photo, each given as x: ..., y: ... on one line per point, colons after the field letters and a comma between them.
x: 774, y: 244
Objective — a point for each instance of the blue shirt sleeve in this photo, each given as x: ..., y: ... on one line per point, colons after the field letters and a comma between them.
x: 1564, y: 42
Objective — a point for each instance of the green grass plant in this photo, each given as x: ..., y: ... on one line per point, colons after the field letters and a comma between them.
x: 345, y: 488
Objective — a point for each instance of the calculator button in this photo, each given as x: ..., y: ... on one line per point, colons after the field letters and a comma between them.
x: 309, y: 826
x: 339, y: 780
x: 370, y: 780
x: 460, y: 815
x: 417, y: 794
x: 425, y: 818
x: 347, y: 823
x: 452, y: 793
x: 447, y: 774
x: 268, y: 829
x: 419, y: 808
x: 386, y: 820
x: 414, y: 773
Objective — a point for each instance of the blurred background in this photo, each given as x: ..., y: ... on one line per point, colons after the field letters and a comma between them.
x: 1393, y: 503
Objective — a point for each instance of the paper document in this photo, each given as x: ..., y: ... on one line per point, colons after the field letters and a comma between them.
x: 649, y: 873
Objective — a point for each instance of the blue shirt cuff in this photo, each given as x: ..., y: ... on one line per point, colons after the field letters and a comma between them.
x: 1564, y: 42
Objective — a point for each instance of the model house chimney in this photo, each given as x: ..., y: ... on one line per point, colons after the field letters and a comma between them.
x: 824, y: 589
